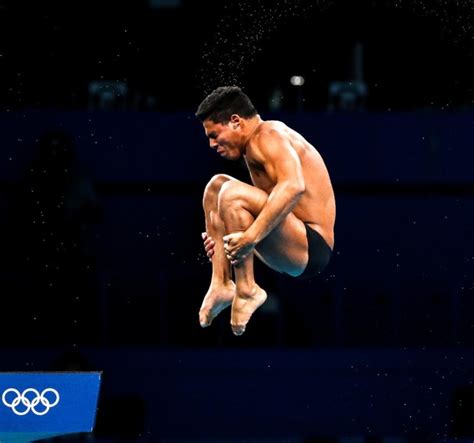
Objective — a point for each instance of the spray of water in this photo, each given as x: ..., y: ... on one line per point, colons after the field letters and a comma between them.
x: 243, y: 27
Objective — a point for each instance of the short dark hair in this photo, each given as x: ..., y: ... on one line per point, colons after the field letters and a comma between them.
x: 224, y: 101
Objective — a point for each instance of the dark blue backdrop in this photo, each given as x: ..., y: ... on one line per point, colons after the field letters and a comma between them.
x: 399, y: 288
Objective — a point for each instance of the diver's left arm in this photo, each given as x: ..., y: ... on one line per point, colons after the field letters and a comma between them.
x: 283, y: 166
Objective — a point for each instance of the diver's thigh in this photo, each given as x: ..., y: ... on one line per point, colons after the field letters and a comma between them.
x: 285, y: 249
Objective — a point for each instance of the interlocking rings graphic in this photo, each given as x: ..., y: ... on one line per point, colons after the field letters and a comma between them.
x: 29, y: 403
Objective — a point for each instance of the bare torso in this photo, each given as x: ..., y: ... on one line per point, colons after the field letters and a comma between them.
x: 317, y: 205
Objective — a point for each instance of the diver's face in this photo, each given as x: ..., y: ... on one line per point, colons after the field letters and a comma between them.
x: 224, y: 138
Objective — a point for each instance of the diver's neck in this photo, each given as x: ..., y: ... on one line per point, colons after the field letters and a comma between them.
x: 253, y: 125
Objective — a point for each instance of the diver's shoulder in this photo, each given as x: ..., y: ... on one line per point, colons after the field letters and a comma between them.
x: 273, y: 125
x: 269, y: 128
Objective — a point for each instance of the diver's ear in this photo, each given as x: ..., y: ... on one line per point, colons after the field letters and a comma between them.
x: 235, y: 121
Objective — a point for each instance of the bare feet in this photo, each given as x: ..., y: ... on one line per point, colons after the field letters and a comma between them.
x: 216, y: 300
x: 244, y: 306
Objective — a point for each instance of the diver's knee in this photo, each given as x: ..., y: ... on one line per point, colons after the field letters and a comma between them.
x: 230, y: 191
x: 214, y: 185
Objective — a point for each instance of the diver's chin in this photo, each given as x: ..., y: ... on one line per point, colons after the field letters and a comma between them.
x: 234, y: 157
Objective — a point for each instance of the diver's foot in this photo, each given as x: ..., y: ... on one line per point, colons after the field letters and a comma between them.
x: 218, y: 298
x: 244, y: 305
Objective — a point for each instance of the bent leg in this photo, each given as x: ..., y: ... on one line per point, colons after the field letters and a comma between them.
x: 285, y: 248
x: 222, y: 289
x: 249, y: 296
x: 221, y: 269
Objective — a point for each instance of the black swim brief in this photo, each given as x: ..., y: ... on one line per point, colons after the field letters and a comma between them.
x: 319, y: 254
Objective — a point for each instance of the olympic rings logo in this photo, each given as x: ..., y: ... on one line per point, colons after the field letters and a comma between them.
x: 30, y: 403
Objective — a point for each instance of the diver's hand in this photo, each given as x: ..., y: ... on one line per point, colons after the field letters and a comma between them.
x: 208, y: 245
x: 237, y: 246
